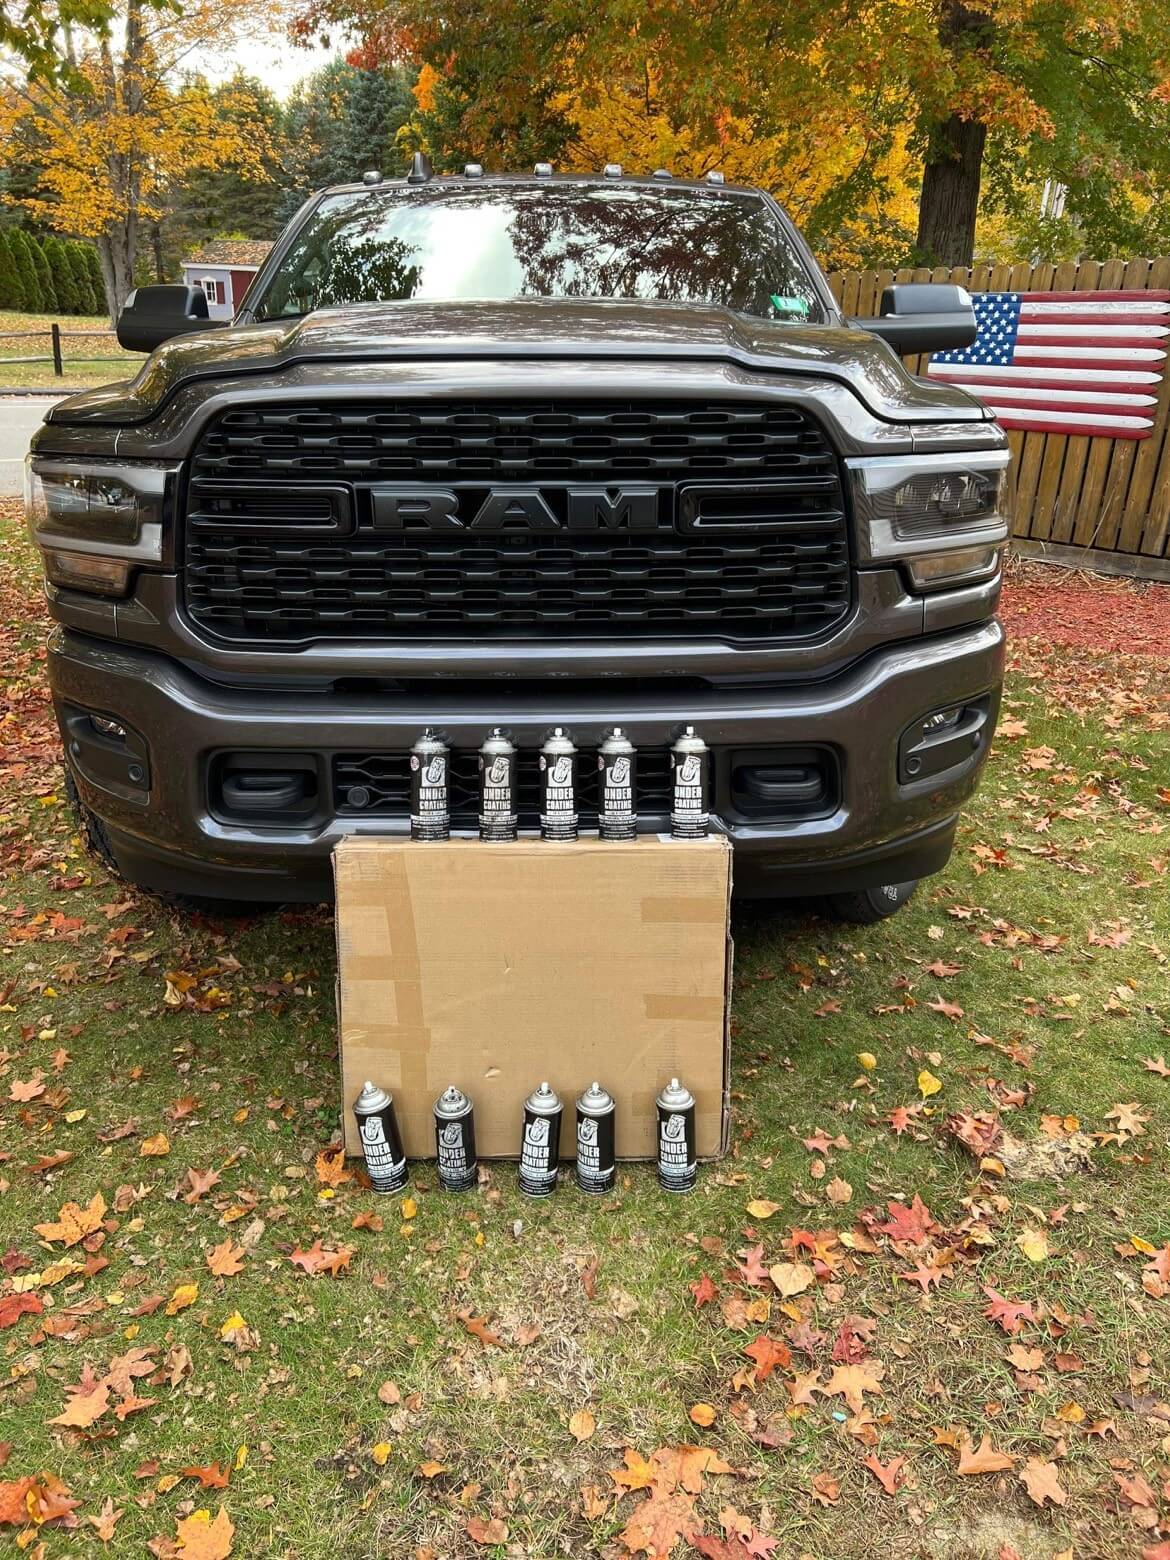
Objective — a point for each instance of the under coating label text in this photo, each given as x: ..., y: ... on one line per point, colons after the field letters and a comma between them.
x: 451, y: 1151
x: 379, y: 1154
x: 674, y: 1150
x: 538, y: 1154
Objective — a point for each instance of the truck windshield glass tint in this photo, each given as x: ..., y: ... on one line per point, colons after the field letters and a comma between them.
x: 558, y: 241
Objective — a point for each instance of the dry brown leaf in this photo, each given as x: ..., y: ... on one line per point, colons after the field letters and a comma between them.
x: 154, y: 1147
x: 792, y: 1278
x: 852, y: 1382
x: 479, y: 1328
x: 481, y: 1532
x: 582, y: 1425
x: 985, y: 1459
x: 656, y: 1525
x: 75, y: 1223
x: 638, y: 1474
x: 226, y: 1259
x: 103, y: 1523
x: 1042, y: 1482
x: 84, y: 1409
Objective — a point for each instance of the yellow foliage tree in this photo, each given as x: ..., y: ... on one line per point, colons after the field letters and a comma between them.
x: 800, y: 167
x: 108, y: 151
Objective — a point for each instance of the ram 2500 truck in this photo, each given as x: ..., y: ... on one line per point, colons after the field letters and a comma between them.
x: 519, y: 451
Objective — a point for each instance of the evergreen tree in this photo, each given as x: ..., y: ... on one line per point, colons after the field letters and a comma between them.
x: 97, y: 283
x: 75, y: 254
x: 26, y: 272
x: 44, y: 277
x: 11, y: 291
x: 63, y: 284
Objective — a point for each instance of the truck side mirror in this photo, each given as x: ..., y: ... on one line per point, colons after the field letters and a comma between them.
x: 152, y: 315
x: 924, y: 317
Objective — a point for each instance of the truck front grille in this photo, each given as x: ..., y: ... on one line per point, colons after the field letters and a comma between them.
x: 286, y: 538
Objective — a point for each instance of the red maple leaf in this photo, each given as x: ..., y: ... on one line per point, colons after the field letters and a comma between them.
x: 1010, y: 1314
x: 901, y: 1116
x: 925, y: 1274
x: 888, y: 1474
x: 912, y: 1224
x: 752, y: 1267
x: 704, y: 1291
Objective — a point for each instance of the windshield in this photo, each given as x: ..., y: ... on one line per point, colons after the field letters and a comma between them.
x: 552, y: 241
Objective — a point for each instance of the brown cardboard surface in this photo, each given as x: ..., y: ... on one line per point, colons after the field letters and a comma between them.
x: 492, y: 966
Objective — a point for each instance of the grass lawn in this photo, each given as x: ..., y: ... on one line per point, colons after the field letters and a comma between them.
x: 184, y: 1071
x: 88, y: 360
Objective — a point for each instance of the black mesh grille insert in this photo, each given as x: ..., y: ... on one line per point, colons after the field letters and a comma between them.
x: 750, y: 543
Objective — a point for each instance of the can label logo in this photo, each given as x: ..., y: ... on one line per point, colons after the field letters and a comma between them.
x: 674, y: 1158
x: 435, y: 774
x: 689, y: 771
x: 535, y: 1153
x: 562, y: 771
x: 380, y: 1161
x: 498, y: 772
x: 451, y: 1149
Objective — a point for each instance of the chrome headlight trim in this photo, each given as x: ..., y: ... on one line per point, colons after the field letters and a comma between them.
x: 106, y: 508
x: 908, y: 505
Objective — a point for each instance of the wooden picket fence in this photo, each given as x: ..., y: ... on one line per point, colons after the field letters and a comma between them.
x: 1091, y: 502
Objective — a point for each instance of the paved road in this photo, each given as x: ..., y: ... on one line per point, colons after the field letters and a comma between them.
x: 20, y: 417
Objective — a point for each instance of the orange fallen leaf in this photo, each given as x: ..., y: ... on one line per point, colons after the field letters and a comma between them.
x: 318, y: 1259
x: 21, y: 1092
x: 226, y: 1259
x: 481, y: 1532
x: 199, y: 1538
x: 985, y: 1459
x: 103, y: 1523
x: 212, y: 1477
x: 330, y: 1167
x: 638, y: 1474
x: 1041, y: 1481
x: 74, y: 1223
x: 582, y: 1425
x: 656, y: 1525
x: 84, y: 1409
x: 432, y: 1470
x: 479, y: 1328
x: 852, y: 1382
x: 182, y: 1296
x: 703, y: 1415
x: 154, y: 1147
x: 887, y: 1475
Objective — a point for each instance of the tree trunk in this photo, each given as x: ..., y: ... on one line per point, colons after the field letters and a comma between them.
x: 116, y: 249
x: 953, y: 167
x: 950, y: 193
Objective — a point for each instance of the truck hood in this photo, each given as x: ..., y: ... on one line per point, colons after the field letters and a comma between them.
x: 528, y: 328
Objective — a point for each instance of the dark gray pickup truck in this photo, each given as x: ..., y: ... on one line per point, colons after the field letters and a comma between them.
x: 528, y: 450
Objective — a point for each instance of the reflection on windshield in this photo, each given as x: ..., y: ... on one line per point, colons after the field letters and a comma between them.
x: 556, y: 241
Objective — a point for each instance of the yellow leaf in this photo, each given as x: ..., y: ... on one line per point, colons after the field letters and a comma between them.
x: 183, y: 1296
x: 760, y: 1208
x: 381, y: 1452
x: 1143, y: 1246
x: 703, y: 1415
x: 791, y: 1278
x: 867, y: 1060
x: 155, y: 1147
x: 432, y: 1470
x: 241, y: 1457
x: 233, y: 1324
x: 928, y: 1084
x: 409, y: 1208
x: 582, y: 1425
x: 74, y: 1116
x: 199, y: 1536
x: 1034, y: 1244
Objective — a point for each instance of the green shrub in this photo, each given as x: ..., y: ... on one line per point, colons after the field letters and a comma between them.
x: 11, y: 289
x: 26, y: 271
x: 44, y: 277
x: 87, y: 303
x: 63, y: 283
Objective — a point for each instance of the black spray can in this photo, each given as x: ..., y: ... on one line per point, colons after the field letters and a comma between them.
x: 617, y: 774
x: 540, y: 1147
x: 690, y: 786
x: 677, y: 1163
x: 430, y: 810
x: 381, y: 1139
x: 497, y: 787
x: 455, y: 1141
x: 596, y: 1161
x: 558, y: 787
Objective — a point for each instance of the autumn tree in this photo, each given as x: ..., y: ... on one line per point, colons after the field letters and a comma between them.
x: 111, y: 146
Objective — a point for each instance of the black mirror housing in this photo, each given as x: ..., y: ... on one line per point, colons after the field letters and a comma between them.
x: 152, y: 315
x: 924, y: 317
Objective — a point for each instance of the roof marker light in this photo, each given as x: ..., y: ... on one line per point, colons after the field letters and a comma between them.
x: 372, y: 176
x: 613, y: 170
x: 421, y: 171
x: 662, y: 173
x: 715, y: 177
x: 473, y: 170
x: 543, y: 170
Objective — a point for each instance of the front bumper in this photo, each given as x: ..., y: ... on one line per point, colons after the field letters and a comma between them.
x: 167, y: 833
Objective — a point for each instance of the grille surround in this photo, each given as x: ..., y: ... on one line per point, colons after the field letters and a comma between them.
x: 780, y: 569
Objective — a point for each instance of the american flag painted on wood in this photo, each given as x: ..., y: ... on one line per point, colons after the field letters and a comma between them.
x: 1066, y: 362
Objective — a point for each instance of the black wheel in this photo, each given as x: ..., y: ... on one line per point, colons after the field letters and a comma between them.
x: 868, y: 905
x: 97, y: 840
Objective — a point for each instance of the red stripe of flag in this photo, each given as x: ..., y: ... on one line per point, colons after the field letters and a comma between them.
x: 1038, y: 337
x: 1117, y: 295
x: 1088, y: 317
x: 962, y: 372
x: 1087, y: 431
x: 1023, y: 356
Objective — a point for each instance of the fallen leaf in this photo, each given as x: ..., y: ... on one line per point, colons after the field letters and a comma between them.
x: 226, y: 1259
x: 888, y: 1475
x: 638, y: 1474
x: 582, y: 1425
x: 1034, y: 1244
x: 181, y: 1297
x: 380, y: 1452
x: 84, y: 1409
x: 656, y: 1526
x: 768, y: 1353
x: 984, y: 1460
x: 13, y: 1307
x: 211, y: 1477
x: 792, y: 1278
x: 760, y: 1208
x: 703, y: 1415
x: 21, y: 1092
x: 104, y: 1522
x: 319, y: 1259
x: 200, y: 1538
x: 1040, y: 1480
x: 928, y: 1084
x: 330, y: 1167
x: 852, y: 1382
x: 432, y: 1470
x: 704, y: 1291
x: 481, y: 1532
x: 683, y: 1467
x: 826, y: 1490
x: 75, y: 1223
x: 154, y: 1147
x: 479, y: 1328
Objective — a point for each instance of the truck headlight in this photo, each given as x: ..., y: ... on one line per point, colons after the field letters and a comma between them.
x: 944, y: 516
x: 95, y: 521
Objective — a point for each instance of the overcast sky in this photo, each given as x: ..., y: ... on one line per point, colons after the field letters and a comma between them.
x: 278, y: 63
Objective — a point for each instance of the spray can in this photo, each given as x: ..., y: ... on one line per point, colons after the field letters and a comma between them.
x: 596, y: 1161
x: 381, y: 1139
x: 430, y: 811
x: 677, y: 1163
x: 558, y: 787
x: 497, y: 787
x: 690, y: 786
x: 617, y: 764
x: 540, y: 1145
x: 455, y: 1140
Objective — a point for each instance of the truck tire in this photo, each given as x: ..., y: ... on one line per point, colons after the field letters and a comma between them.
x: 871, y: 904
x: 97, y: 841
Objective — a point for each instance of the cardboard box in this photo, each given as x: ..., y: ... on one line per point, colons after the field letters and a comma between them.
x: 493, y: 966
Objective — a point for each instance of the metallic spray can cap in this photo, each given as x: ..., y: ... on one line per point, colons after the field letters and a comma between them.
x: 452, y: 1103
x: 371, y: 1100
x: 558, y: 741
x: 543, y: 1101
x: 430, y: 741
x: 596, y: 1101
x: 497, y: 741
x: 689, y: 741
x: 675, y: 1097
